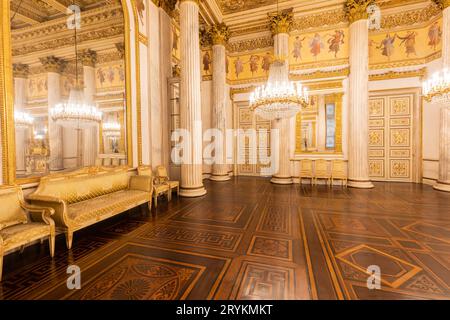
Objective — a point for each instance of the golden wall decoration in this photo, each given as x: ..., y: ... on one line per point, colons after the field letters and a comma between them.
x: 110, y: 76
x: 249, y: 66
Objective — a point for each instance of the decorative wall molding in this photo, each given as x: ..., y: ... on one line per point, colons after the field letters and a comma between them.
x: 250, y: 44
x: 421, y: 73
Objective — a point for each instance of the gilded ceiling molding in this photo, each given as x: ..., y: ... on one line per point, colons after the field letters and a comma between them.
x: 281, y: 22
x: 409, y: 17
x: 21, y: 70
x: 53, y: 64
x: 120, y: 49
x: 320, y: 74
x: 220, y: 34
x: 327, y: 18
x: 442, y: 4
x: 421, y: 73
x: 357, y: 9
x: 88, y: 57
x: 250, y: 44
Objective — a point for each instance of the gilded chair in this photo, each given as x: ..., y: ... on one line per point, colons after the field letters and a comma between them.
x: 21, y: 223
x: 163, y: 178
x: 338, y: 172
x: 158, y: 188
x: 306, y: 170
x: 321, y: 171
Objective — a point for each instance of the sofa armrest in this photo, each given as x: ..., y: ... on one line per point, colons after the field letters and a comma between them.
x: 39, y: 214
x: 141, y: 183
x: 59, y: 206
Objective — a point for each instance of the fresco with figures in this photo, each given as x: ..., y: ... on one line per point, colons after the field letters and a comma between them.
x: 37, y: 87
x: 249, y: 66
x: 110, y: 76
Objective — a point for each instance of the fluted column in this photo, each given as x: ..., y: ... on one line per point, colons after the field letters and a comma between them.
x: 443, y: 183
x: 54, y: 66
x: 280, y: 26
x: 190, y: 99
x: 90, y: 135
x: 219, y: 36
x: 358, y: 156
x: 20, y: 99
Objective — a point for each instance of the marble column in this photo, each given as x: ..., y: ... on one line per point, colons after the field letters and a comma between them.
x: 23, y: 134
x: 443, y: 183
x: 280, y: 26
x: 358, y: 141
x: 219, y: 35
x: 54, y: 66
x: 90, y: 136
x: 190, y: 99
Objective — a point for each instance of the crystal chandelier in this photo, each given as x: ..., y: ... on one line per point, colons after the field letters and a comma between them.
x: 437, y: 89
x: 111, y: 129
x: 23, y: 119
x: 279, y: 98
x: 76, y: 112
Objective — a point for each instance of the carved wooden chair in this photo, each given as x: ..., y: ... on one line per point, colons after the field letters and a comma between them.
x: 163, y: 178
x: 158, y: 188
x: 22, y: 224
x: 321, y: 171
x: 306, y: 170
x: 338, y: 172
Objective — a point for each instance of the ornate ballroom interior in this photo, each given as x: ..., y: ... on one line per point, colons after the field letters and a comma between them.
x: 224, y: 149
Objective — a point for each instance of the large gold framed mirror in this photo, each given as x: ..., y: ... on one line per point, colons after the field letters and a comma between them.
x: 66, y: 96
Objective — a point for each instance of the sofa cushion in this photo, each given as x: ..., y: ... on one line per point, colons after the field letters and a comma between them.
x: 73, y: 189
x: 11, y: 212
x: 22, y: 234
x: 93, y: 210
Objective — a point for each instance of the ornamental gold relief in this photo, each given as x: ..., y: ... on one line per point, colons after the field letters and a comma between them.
x: 442, y: 4
x: 220, y: 34
x: 357, y: 9
x: 281, y: 22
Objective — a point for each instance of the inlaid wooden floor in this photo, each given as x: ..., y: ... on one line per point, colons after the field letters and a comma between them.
x: 249, y: 239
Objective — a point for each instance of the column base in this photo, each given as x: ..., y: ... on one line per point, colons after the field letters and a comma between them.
x: 192, y: 192
x: 442, y: 186
x: 220, y: 177
x: 281, y: 180
x: 360, y: 184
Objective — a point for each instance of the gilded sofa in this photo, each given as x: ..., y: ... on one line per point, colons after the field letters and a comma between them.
x: 21, y: 223
x: 83, y: 199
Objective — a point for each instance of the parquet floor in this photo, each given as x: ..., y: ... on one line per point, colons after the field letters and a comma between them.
x: 249, y: 239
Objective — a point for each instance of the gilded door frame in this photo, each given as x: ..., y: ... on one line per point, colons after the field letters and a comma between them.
x: 417, y: 108
x: 7, y: 97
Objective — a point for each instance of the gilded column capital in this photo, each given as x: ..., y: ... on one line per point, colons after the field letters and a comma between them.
x: 121, y: 49
x: 220, y: 34
x: 357, y: 9
x: 21, y: 70
x: 53, y: 64
x: 281, y: 22
x: 88, y: 57
x: 442, y: 4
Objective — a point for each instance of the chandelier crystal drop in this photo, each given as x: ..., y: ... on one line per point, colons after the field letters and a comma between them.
x: 437, y: 88
x: 23, y: 119
x: 279, y: 98
x: 76, y: 112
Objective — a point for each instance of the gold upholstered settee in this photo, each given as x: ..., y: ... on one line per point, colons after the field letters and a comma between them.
x: 83, y: 199
x: 21, y: 223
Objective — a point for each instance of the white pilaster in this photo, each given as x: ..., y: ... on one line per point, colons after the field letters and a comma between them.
x: 22, y: 134
x: 90, y: 135
x: 443, y: 183
x: 54, y: 130
x: 190, y: 99
x: 358, y: 157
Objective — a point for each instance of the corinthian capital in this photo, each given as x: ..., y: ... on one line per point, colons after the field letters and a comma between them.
x: 53, y: 64
x: 88, y: 57
x: 357, y: 9
x: 21, y: 70
x: 281, y: 22
x: 219, y: 34
x: 443, y: 4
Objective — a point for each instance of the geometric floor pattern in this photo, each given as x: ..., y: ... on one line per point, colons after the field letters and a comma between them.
x: 248, y: 239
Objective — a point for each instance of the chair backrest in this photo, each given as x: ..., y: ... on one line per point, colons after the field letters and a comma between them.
x: 11, y: 212
x: 145, y: 170
x: 85, y: 186
x: 338, y: 168
x: 115, y: 162
x: 321, y: 168
x: 161, y: 172
x: 306, y: 166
